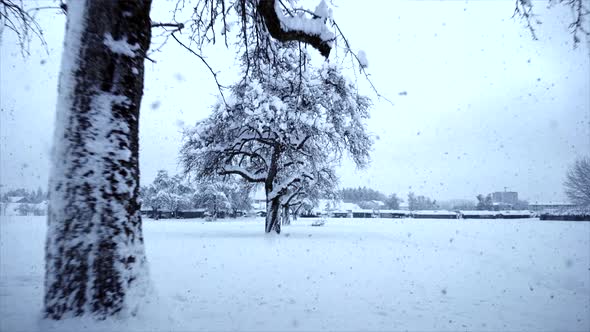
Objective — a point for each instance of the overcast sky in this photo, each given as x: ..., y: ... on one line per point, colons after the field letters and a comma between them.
x: 483, y: 105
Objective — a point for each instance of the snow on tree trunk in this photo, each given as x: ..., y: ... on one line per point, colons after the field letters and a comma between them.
x: 286, y: 216
x: 272, y: 215
x: 95, y: 260
x: 273, y: 200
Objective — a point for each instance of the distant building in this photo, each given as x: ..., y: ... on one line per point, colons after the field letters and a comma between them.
x: 505, y: 198
x: 497, y: 206
x: 335, y: 208
x: 544, y: 206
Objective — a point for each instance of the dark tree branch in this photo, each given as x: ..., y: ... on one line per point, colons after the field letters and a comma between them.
x: 295, y: 193
x: 177, y: 26
x: 242, y: 174
x: 15, y: 17
x: 266, y: 8
x: 580, y: 11
x: 524, y: 9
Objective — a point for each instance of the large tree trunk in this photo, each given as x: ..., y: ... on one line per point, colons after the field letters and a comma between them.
x: 273, y: 200
x: 95, y: 260
x: 273, y: 207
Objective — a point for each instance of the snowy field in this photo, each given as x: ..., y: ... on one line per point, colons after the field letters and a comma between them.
x: 350, y: 274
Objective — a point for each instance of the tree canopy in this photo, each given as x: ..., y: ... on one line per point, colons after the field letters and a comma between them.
x: 286, y: 124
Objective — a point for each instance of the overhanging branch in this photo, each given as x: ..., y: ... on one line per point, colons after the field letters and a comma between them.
x: 266, y: 8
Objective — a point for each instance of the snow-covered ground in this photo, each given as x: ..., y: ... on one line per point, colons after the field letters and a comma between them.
x: 347, y: 275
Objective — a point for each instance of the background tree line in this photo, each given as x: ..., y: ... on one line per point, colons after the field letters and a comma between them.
x: 175, y: 193
x: 32, y: 196
x: 28, y: 201
x: 367, y: 198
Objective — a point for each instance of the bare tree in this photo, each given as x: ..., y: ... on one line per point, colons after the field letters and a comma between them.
x: 577, y: 182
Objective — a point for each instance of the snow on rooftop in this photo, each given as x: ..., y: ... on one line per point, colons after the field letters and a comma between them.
x: 394, y: 211
x: 494, y: 213
x: 434, y: 212
x: 348, y: 206
x: 335, y: 205
x: 479, y: 212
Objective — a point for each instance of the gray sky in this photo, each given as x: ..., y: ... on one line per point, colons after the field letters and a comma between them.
x: 486, y: 106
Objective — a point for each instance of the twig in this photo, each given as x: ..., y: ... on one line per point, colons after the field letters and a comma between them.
x: 219, y: 86
x: 177, y: 26
x: 524, y: 9
x: 361, y: 67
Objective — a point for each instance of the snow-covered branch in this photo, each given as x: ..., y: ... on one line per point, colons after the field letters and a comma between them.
x: 280, y: 188
x: 310, y: 31
x: 243, y: 172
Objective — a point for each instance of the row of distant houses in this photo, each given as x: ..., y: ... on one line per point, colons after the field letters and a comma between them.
x: 339, y: 209
x: 428, y: 214
x: 555, y: 211
x: 571, y: 215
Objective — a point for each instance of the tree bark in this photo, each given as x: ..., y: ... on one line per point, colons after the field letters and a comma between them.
x: 286, y: 215
x: 273, y: 200
x: 272, y: 216
x: 95, y: 260
x: 266, y: 8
